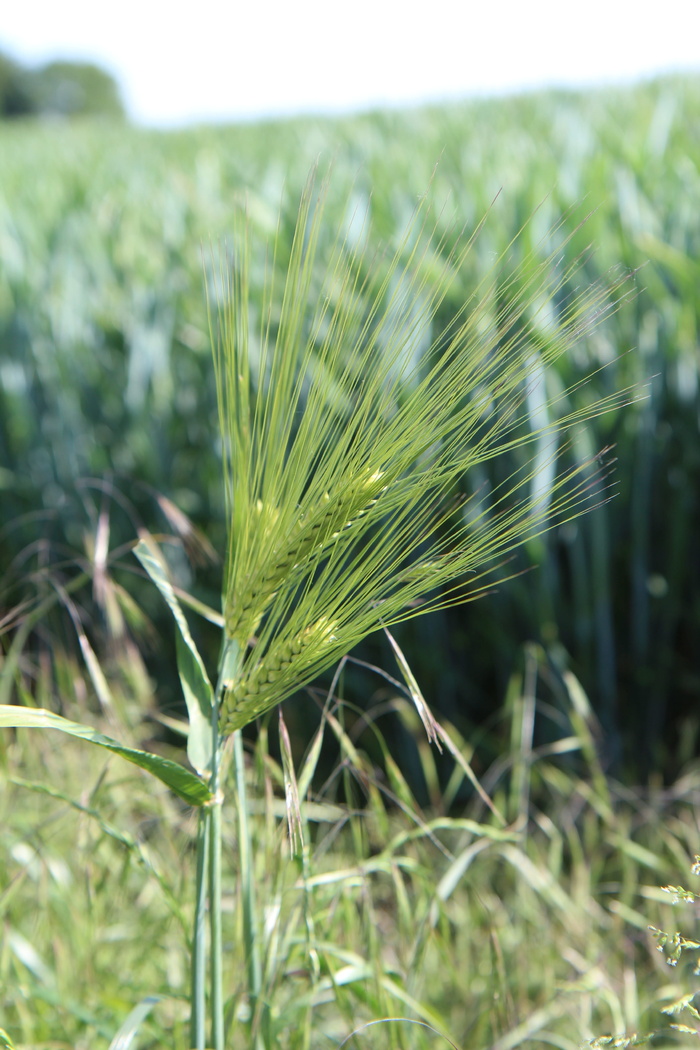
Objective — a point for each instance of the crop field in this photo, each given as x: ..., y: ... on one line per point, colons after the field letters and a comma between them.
x: 504, y: 885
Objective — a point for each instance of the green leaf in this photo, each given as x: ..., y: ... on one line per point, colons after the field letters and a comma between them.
x: 310, y: 763
x: 196, y: 687
x: 185, y: 784
x: 128, y: 1031
x: 291, y: 791
x: 426, y: 715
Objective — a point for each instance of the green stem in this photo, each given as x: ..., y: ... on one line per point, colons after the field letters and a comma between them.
x: 247, y: 877
x: 215, y: 945
x: 198, y: 1000
x: 209, y: 836
x: 208, y: 891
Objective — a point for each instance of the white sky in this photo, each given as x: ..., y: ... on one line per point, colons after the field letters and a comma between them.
x: 183, y: 60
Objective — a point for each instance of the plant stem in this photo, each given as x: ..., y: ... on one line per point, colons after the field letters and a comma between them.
x: 198, y: 998
x: 215, y: 944
x: 247, y: 877
x: 208, y: 891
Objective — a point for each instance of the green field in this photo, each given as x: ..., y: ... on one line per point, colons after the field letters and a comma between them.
x: 411, y: 900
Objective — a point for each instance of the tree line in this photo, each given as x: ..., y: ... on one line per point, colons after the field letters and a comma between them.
x: 57, y: 89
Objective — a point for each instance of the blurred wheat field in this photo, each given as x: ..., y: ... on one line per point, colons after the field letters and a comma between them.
x: 105, y: 360
x: 413, y: 901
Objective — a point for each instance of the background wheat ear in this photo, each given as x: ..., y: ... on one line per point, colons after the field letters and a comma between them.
x: 350, y: 460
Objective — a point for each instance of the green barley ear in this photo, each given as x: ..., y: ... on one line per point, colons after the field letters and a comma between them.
x: 345, y: 450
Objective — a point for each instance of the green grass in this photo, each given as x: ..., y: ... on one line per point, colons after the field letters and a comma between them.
x: 491, y: 935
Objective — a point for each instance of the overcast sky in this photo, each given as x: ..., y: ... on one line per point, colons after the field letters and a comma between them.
x: 209, y: 60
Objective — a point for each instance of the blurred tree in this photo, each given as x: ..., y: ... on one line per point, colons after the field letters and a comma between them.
x: 70, y: 89
x: 15, y: 96
x: 57, y: 89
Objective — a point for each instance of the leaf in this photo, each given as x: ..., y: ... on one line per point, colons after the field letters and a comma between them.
x: 291, y: 791
x: 466, y: 768
x: 185, y: 784
x: 199, y: 737
x: 310, y: 763
x: 126, y: 1034
x: 426, y: 716
x: 27, y: 954
x: 396, y: 1020
x: 196, y: 687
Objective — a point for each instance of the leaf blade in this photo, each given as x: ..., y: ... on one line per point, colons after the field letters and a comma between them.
x: 186, y: 785
x: 196, y: 687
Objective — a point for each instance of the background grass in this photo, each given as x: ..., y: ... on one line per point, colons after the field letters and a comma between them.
x: 492, y: 932
x: 107, y: 401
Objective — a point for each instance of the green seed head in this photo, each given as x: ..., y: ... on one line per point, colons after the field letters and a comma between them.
x: 260, y: 686
x: 313, y: 532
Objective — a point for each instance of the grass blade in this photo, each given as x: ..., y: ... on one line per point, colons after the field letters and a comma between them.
x: 129, y: 1030
x: 197, y: 689
x: 185, y: 784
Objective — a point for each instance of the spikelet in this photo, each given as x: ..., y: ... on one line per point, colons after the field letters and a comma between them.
x: 313, y: 533
x: 258, y: 688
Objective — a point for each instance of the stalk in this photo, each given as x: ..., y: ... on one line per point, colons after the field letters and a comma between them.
x: 215, y: 942
x: 208, y: 892
x: 247, y: 877
x: 229, y: 674
x: 198, y: 997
